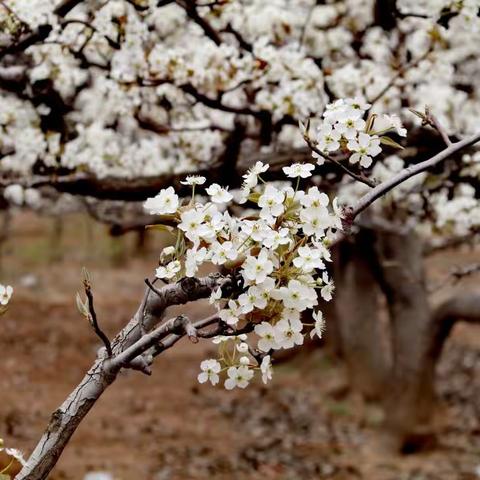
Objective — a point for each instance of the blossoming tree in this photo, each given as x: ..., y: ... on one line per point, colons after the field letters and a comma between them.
x: 195, y: 107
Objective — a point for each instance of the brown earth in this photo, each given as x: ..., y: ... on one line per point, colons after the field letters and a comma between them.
x: 305, y: 425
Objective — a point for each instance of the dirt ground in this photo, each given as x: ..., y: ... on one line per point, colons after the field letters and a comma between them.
x: 305, y: 425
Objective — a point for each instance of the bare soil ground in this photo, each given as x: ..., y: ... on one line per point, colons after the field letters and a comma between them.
x: 305, y: 425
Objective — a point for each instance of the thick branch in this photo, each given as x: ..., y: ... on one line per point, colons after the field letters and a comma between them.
x: 127, y: 346
x: 460, y: 307
x: 136, y: 189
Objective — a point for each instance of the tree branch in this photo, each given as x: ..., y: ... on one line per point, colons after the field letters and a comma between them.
x: 127, y: 347
x: 358, y: 177
x: 191, y: 10
x: 352, y: 212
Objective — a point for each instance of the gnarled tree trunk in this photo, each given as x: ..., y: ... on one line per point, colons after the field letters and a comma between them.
x: 394, y: 362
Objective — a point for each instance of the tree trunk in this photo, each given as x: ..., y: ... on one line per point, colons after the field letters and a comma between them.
x: 409, y: 395
x: 362, y: 339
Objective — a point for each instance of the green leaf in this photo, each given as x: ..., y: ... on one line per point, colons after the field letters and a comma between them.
x: 391, y: 143
x: 161, y: 228
x: 418, y: 114
x: 370, y: 121
x: 4, y: 476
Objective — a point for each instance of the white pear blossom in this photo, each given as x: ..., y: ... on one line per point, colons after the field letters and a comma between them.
x: 242, y: 347
x: 288, y: 333
x: 231, y: 315
x: 328, y: 139
x: 350, y: 127
x: 271, y: 202
x: 6, y: 293
x: 14, y: 194
x: 223, y: 252
x: 267, y: 341
x: 303, y: 170
x: 219, y: 194
x: 266, y: 369
x: 327, y: 288
x: 165, y: 202
x: 308, y: 259
x: 192, y: 223
x: 385, y: 122
x: 365, y: 147
x: 315, y: 199
x: 210, y: 370
x: 319, y: 326
x: 238, y: 377
x: 256, y: 269
x: 169, y: 271
x: 194, y: 180
x: 251, y: 177
x: 296, y: 296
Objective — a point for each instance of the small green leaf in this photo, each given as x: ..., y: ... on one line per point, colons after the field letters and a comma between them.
x: 391, y: 143
x: 161, y: 228
x: 370, y: 121
x: 418, y: 114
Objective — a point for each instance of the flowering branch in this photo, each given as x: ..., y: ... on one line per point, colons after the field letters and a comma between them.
x: 359, y: 177
x: 42, y: 32
x: 380, y: 190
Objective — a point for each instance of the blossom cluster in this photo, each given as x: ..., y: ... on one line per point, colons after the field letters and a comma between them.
x: 118, y: 74
x: 279, y: 251
x: 344, y: 129
x: 294, y: 51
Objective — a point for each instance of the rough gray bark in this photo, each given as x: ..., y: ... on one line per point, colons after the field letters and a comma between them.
x: 66, y: 419
x: 132, y: 348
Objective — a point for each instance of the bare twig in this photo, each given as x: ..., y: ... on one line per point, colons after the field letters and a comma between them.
x: 358, y: 177
x: 74, y: 21
x: 93, y: 317
x: 432, y: 120
x: 180, y: 326
x: 455, y: 275
x: 153, y: 288
x: 191, y: 10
